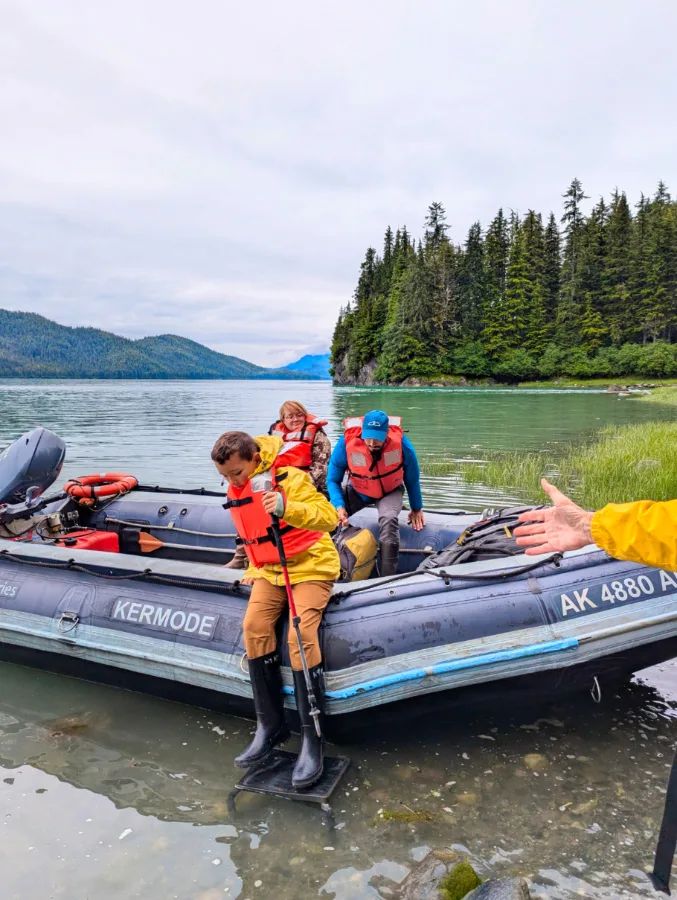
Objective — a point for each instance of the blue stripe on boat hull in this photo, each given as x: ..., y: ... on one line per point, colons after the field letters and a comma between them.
x: 454, y: 665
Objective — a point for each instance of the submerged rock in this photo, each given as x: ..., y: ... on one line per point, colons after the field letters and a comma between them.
x: 501, y: 889
x: 442, y: 876
x: 535, y: 761
x: 423, y: 882
x: 459, y: 882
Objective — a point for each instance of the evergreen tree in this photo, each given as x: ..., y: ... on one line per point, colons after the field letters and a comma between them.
x: 615, y: 277
x: 471, y: 284
x: 495, y: 265
x: 641, y: 313
x: 538, y: 330
x: 552, y: 266
x: 362, y: 336
x: 569, y: 309
x: 513, y: 320
x: 435, y: 227
x: 593, y: 329
x: 661, y: 266
x: 592, y: 250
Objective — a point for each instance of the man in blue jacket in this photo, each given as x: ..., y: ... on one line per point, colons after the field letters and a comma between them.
x: 380, y: 462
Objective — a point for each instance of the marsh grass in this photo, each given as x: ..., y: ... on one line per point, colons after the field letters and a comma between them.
x: 662, y: 395
x: 621, y: 464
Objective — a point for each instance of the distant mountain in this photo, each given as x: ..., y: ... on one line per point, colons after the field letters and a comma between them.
x: 313, y: 366
x: 32, y: 346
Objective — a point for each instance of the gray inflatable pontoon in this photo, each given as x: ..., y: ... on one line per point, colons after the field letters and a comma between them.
x: 170, y: 621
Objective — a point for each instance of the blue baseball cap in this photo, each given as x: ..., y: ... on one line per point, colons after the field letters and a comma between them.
x: 375, y: 425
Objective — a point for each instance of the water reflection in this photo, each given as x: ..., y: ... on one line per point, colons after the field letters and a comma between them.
x: 107, y: 793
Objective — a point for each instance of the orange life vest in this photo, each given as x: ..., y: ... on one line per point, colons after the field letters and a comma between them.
x: 370, y: 477
x: 297, y: 450
x: 254, y: 526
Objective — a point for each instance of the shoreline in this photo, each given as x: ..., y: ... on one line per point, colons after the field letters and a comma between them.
x: 458, y: 381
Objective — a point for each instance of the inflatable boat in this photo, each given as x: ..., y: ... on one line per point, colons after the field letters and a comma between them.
x: 131, y: 589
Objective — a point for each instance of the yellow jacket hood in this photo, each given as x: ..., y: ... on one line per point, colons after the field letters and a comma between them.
x: 269, y: 446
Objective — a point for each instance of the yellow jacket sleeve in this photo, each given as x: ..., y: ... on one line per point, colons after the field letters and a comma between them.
x: 306, y: 507
x: 643, y: 532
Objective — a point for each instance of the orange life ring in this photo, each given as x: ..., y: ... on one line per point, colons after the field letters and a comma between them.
x: 89, y: 488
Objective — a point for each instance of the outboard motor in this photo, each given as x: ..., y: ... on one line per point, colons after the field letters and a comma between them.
x: 29, y: 466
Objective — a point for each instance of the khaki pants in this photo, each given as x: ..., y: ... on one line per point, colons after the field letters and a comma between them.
x: 388, y: 507
x: 266, y: 604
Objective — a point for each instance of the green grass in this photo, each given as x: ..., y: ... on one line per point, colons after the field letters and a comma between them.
x: 629, y: 462
x: 663, y: 395
x: 623, y: 381
x: 624, y: 463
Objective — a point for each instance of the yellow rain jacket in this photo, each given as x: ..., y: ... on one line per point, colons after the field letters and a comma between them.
x: 643, y: 532
x: 306, y: 508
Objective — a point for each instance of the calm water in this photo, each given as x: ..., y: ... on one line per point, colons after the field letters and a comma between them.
x: 107, y: 794
x: 163, y: 432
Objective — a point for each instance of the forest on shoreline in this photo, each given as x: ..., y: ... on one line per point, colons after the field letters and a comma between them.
x: 590, y: 296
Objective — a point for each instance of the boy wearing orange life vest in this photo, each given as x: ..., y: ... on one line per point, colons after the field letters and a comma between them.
x: 258, y: 488
x: 380, y: 462
x: 306, y: 447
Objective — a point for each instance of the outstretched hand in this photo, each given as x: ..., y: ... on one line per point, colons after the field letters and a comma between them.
x: 563, y: 526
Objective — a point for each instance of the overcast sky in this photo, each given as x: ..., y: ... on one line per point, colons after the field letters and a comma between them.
x: 218, y: 169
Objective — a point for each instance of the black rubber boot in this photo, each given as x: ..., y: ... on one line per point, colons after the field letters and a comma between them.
x: 271, y: 727
x: 310, y: 761
x: 389, y: 556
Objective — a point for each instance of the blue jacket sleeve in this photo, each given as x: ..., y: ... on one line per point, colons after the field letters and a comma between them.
x: 337, y: 469
x: 412, y: 475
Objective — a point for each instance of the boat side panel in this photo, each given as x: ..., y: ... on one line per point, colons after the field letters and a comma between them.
x: 206, y: 515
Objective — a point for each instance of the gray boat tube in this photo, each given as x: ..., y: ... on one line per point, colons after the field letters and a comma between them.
x: 182, y: 621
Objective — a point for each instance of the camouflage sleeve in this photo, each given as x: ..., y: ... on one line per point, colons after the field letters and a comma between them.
x: 321, y: 451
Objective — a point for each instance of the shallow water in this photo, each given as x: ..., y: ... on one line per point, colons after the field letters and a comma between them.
x: 108, y: 794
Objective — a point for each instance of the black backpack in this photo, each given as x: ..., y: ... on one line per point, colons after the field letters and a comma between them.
x: 490, y: 538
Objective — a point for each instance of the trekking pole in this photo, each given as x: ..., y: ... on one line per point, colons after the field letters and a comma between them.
x: 667, y: 838
x: 296, y: 622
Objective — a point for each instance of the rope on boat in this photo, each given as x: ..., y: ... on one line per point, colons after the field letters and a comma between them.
x: 109, y: 520
x: 448, y: 577
x: 147, y: 574
x: 112, y: 521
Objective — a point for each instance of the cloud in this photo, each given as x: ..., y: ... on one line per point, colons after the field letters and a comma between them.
x: 218, y: 171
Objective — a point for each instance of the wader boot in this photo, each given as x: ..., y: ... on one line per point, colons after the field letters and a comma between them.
x: 310, y: 761
x: 239, y: 560
x: 389, y: 557
x: 271, y: 727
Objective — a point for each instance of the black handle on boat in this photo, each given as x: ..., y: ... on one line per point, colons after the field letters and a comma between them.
x: 12, y: 513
